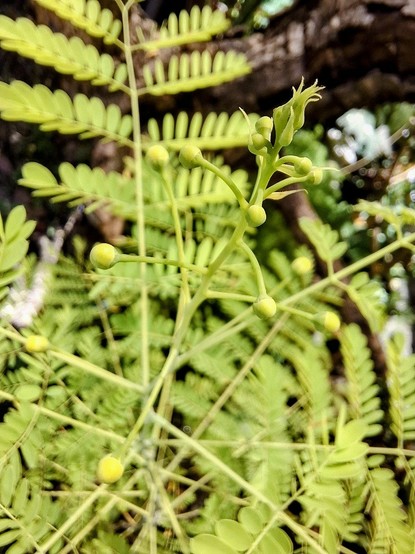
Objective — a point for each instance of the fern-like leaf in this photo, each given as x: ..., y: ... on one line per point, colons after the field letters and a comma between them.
x: 196, y: 25
x: 68, y: 56
x: 362, y: 391
x: 13, y: 245
x: 88, y: 16
x: 193, y: 71
x: 367, y: 295
x: 388, y: 527
x: 55, y: 111
x: 216, y: 131
x: 401, y: 386
x: 82, y: 185
x: 324, y: 239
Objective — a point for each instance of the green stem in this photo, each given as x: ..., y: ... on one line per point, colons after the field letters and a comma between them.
x: 125, y: 258
x: 138, y: 177
x: 284, y: 183
x: 226, y: 179
x: 181, y: 331
x: 255, y: 266
x: 79, y: 363
x: 245, y: 485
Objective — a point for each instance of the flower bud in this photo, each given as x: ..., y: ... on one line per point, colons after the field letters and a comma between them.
x: 264, y: 307
x: 264, y: 126
x: 103, y: 255
x: 255, y: 215
x: 190, y: 156
x: 316, y: 176
x: 331, y: 322
x: 109, y: 469
x: 286, y: 137
x: 303, y: 166
x: 36, y: 343
x: 257, y: 144
x: 157, y: 156
x: 302, y: 265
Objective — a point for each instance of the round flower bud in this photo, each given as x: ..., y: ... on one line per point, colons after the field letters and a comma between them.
x: 264, y: 126
x: 258, y: 144
x: 331, y: 322
x: 190, y: 156
x: 303, y: 166
x: 316, y: 176
x: 103, y: 255
x: 255, y: 215
x: 109, y: 469
x: 302, y: 265
x: 36, y: 343
x: 264, y: 307
x: 157, y: 156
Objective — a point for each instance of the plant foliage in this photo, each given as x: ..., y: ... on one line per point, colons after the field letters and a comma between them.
x: 206, y: 375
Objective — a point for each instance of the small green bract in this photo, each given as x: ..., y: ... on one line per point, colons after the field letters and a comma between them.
x: 103, y: 255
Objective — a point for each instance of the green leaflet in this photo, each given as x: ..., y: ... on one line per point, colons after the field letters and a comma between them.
x: 362, y: 391
x: 215, y: 131
x: 55, y: 111
x: 14, y: 244
x: 70, y: 56
x: 82, y: 185
x: 324, y: 239
x: 196, y: 25
x: 401, y: 380
x: 193, y: 71
x: 88, y: 16
x: 366, y: 293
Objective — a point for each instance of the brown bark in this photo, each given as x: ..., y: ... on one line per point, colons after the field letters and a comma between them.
x: 362, y: 51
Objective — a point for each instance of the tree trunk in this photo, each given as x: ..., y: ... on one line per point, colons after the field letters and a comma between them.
x: 362, y: 51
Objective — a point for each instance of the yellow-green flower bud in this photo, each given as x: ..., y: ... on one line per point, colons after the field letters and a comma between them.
x: 109, y: 469
x: 302, y: 265
x: 303, y: 166
x: 157, y: 156
x: 264, y: 307
x: 280, y: 116
x: 316, y: 176
x: 190, y: 156
x: 255, y: 215
x: 286, y: 137
x: 103, y: 255
x: 331, y: 322
x: 264, y: 126
x: 36, y: 343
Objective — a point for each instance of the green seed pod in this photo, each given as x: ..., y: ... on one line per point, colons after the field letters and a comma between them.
x: 264, y: 307
x: 103, y: 255
x: 331, y: 322
x: 302, y: 265
x: 255, y: 215
x: 303, y: 166
x: 190, y: 156
x: 157, y: 156
x: 36, y: 343
x: 109, y: 470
